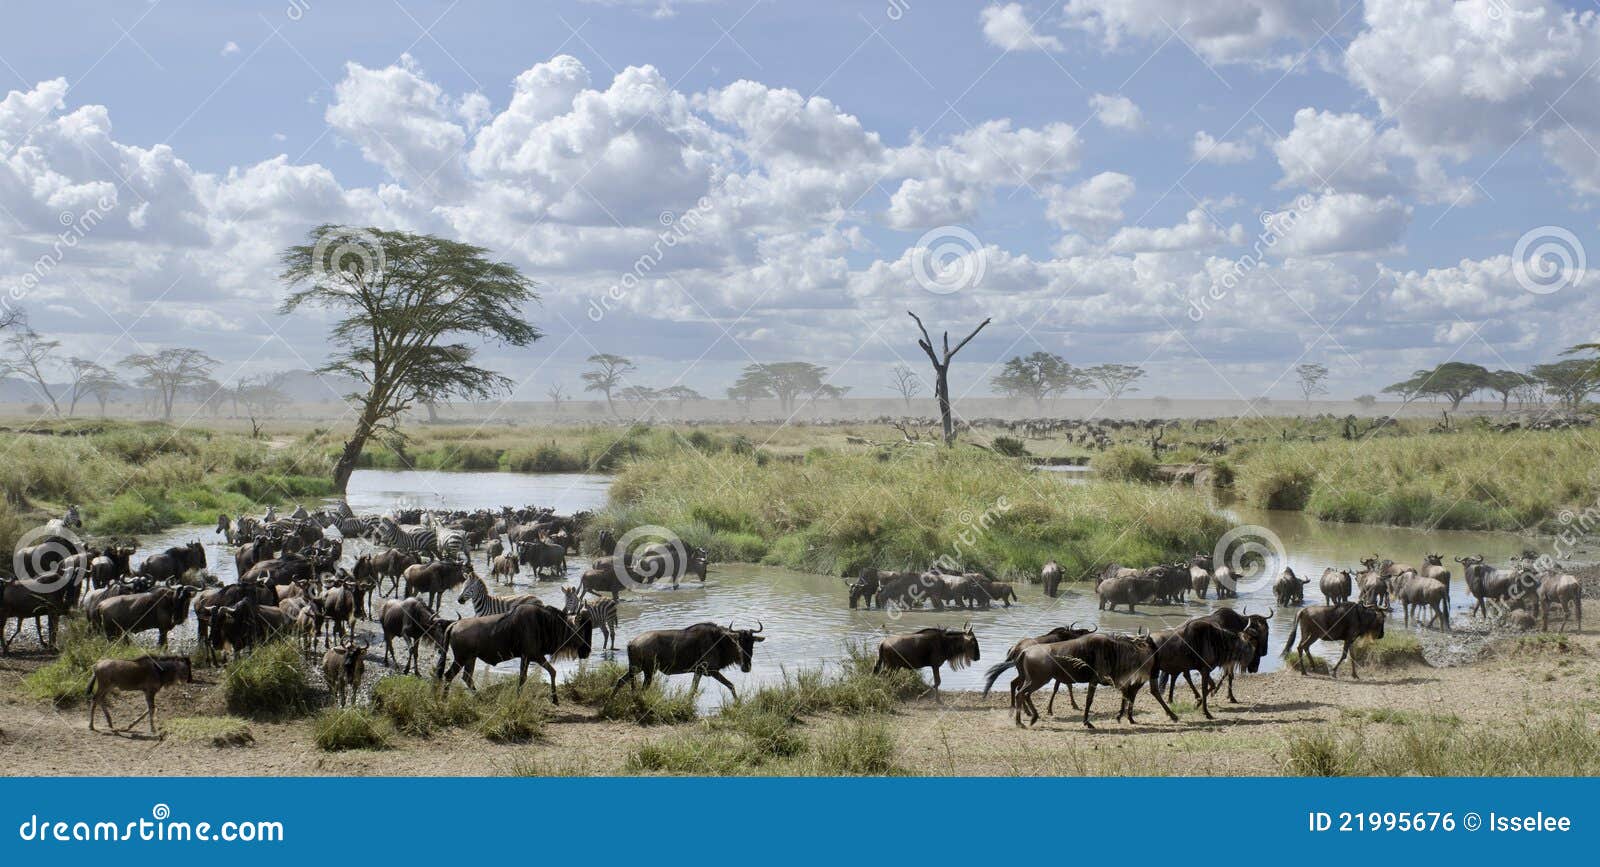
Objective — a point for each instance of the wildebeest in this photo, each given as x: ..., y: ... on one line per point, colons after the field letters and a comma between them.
x: 338, y: 603
x: 600, y: 581
x: 1124, y: 662
x: 409, y: 619
x: 432, y: 580
x: 1562, y: 590
x: 529, y: 633
x: 1335, y: 586
x: 161, y: 609
x: 148, y: 674
x: 392, y: 564
x: 1255, y: 628
x: 544, y: 558
x: 1051, y: 576
x: 1172, y: 581
x: 1375, y: 588
x: 910, y: 589
x: 704, y: 649
x: 172, y: 563
x: 1128, y: 590
x: 1346, y: 622
x: 928, y: 648
x: 1198, y: 645
x: 864, y: 588
x: 1486, y: 583
x: 1290, y: 589
x: 50, y: 596
x: 1060, y: 633
x: 504, y: 569
x: 343, y: 667
x: 109, y: 565
x: 1433, y: 567
x: 1421, y: 592
x: 1199, y: 581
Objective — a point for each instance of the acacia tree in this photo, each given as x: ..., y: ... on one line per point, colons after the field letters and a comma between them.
x: 1309, y: 377
x: 402, y: 298
x: 607, y: 376
x: 557, y: 394
x: 941, y: 372
x: 81, y: 371
x: 1036, y: 376
x: 1454, y: 380
x: 680, y: 394
x: 785, y: 380
x: 29, y: 354
x: 261, y: 398
x: 906, y: 383
x: 1506, y: 383
x: 1570, y: 382
x: 169, y: 373
x: 97, y: 382
x: 750, y: 387
x: 1114, y: 379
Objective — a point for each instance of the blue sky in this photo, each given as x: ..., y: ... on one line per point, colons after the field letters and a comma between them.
x: 1104, y: 166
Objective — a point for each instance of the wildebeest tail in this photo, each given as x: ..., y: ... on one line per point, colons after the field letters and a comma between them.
x: 88, y: 692
x: 1292, y: 630
x: 994, y: 672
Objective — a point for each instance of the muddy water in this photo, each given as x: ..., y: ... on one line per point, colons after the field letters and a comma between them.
x: 806, y: 618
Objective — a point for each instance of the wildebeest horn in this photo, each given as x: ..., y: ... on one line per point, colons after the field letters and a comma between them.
x: 760, y: 627
x: 1073, y: 626
x: 1095, y: 629
x: 1271, y: 612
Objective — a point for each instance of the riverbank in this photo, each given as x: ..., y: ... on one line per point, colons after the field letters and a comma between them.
x: 1530, y: 706
x: 836, y: 512
x: 133, y: 478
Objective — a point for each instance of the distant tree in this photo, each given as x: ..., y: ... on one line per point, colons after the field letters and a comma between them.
x: 638, y: 394
x: 681, y: 395
x: 1505, y: 383
x: 262, y: 398
x: 28, y: 354
x: 1036, y: 376
x: 169, y: 373
x: 785, y: 380
x: 905, y: 383
x: 1569, y: 382
x: 1454, y: 381
x: 941, y: 372
x: 1114, y: 379
x: 751, y: 386
x: 404, y: 298
x: 209, y: 394
x: 1366, y: 401
x: 1310, y: 377
x: 78, y: 371
x: 607, y: 376
x: 557, y: 394
x: 98, y: 383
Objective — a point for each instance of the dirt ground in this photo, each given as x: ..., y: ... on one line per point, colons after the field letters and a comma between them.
x: 966, y: 734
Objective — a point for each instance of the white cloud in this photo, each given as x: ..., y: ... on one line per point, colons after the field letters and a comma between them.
x: 1259, y: 31
x: 1092, y: 206
x: 1347, y: 223
x: 1116, y: 112
x: 1197, y: 232
x: 230, y: 47
x: 1205, y: 148
x: 1010, y: 27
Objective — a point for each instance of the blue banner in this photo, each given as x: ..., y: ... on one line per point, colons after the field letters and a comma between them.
x: 657, y: 821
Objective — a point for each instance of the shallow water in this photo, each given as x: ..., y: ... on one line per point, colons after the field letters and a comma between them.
x: 806, y: 617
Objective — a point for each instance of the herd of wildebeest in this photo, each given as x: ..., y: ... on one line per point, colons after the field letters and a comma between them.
x: 295, y: 581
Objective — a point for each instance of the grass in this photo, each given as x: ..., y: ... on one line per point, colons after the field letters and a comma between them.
x: 1393, y: 650
x: 1125, y: 463
x: 836, y: 512
x: 856, y: 747
x: 1471, y: 480
x: 143, y: 477
x: 508, y: 715
x: 270, y: 682
x: 351, y: 728
x: 591, y: 685
x: 416, y: 706
x: 1555, y: 745
x: 218, y: 731
x: 65, y: 679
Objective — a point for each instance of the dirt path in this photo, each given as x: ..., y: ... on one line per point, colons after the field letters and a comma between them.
x: 967, y: 734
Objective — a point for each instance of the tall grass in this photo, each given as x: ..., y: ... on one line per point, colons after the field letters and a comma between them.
x: 837, y: 512
x: 135, y: 478
x: 1473, y: 480
x: 270, y: 682
x: 351, y: 728
x: 1542, y: 746
x: 592, y: 685
x: 65, y: 679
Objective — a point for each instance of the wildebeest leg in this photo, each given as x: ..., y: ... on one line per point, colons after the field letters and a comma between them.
x: 1088, y: 702
x: 1205, y: 692
x: 936, y: 696
x: 522, y: 676
x: 694, y: 685
x: 717, y: 676
x: 1157, y: 693
x: 626, y: 678
x: 150, y: 703
x: 545, y: 664
x: 1070, y: 697
x: 1205, y: 679
x: 1342, y: 655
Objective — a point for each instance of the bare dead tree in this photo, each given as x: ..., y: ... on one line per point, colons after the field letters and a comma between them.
x: 941, y: 372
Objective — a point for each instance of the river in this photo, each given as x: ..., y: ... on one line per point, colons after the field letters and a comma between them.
x: 807, y: 621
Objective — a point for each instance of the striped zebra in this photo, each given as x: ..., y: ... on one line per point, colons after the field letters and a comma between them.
x: 451, y: 542
x: 419, y: 540
x: 484, y: 603
x: 602, y: 613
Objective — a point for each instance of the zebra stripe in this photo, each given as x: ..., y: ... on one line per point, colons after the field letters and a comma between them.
x: 418, y: 541
x: 485, y: 604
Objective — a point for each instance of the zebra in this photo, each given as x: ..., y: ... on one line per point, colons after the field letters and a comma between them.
x: 451, y: 542
x: 602, y: 613
x: 420, y: 541
x: 484, y: 603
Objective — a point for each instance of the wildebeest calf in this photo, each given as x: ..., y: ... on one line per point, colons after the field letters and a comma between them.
x: 928, y: 648
x: 343, y: 667
x: 148, y: 674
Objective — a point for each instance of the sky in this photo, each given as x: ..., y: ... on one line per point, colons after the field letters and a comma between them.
x: 1217, y: 191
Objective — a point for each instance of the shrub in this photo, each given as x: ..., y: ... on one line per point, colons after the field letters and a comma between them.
x: 1125, y: 463
x: 350, y: 728
x: 1392, y: 650
x: 646, y: 706
x: 1011, y: 447
x: 511, y: 715
x: 218, y: 731
x: 65, y: 679
x: 417, y: 706
x: 856, y: 747
x: 270, y: 682
x: 700, y: 753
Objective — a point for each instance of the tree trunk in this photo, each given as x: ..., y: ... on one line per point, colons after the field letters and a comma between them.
x: 942, y: 391
x: 351, y: 455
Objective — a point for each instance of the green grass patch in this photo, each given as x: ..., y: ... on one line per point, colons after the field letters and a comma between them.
x: 855, y: 747
x: 65, y: 679
x: 592, y: 684
x: 218, y: 731
x: 1542, y: 746
x: 418, y: 707
x: 271, y: 682
x: 1393, y: 650
x: 508, y: 715
x: 351, y: 728
x: 1126, y: 463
